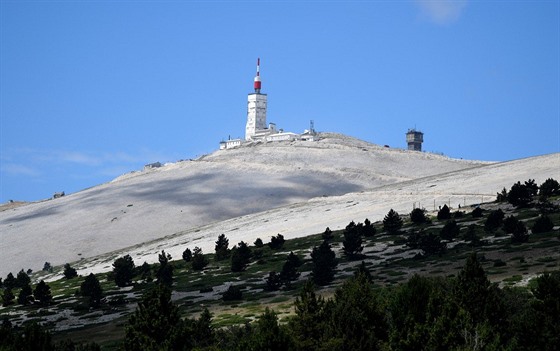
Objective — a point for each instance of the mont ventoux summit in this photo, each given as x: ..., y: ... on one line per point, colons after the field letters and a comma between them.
x: 271, y: 182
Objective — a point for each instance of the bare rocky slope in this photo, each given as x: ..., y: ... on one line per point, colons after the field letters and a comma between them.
x: 257, y: 190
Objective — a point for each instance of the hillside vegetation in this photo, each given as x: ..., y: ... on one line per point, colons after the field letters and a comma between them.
x: 480, y: 277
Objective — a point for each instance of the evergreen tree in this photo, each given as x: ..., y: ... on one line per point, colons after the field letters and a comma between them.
x: 7, y: 297
x: 273, y: 282
x: 470, y: 235
x: 444, y: 213
x: 289, y: 271
x: 91, y: 288
x: 123, y: 270
x: 369, y: 229
x: 418, y: 216
x: 47, y: 267
x: 221, y: 248
x: 324, y: 264
x: 69, y: 272
x: 327, y: 234
x: 309, y: 323
x: 392, y: 222
x: 232, y: 293
x: 258, y: 243
x: 509, y: 224
x: 187, y: 255
x: 549, y: 188
x: 502, y: 196
x: 269, y: 335
x: 357, y: 320
x: 450, y: 230
x: 352, y: 243
x: 431, y: 244
x: 472, y: 289
x: 276, y: 242
x: 10, y: 281
x: 477, y: 212
x: 494, y: 221
x: 520, y: 194
x: 543, y: 224
x: 42, y: 293
x: 519, y: 234
x: 199, y: 261
x: 145, y: 272
x: 155, y: 324
x: 164, y: 273
x: 25, y: 295
x: 240, y: 257
x: 22, y: 279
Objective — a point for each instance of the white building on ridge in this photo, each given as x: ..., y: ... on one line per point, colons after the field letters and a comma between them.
x: 256, y: 128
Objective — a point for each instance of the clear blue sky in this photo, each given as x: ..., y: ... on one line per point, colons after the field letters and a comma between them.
x: 90, y: 90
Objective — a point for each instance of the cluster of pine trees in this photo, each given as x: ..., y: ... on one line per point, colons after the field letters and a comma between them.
x: 465, y: 312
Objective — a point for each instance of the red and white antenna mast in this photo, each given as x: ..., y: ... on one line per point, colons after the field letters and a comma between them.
x: 257, y: 83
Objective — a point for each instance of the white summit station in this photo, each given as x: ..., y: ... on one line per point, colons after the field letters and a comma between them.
x: 256, y: 129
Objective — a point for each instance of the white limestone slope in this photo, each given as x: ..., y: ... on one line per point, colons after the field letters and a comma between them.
x: 257, y: 190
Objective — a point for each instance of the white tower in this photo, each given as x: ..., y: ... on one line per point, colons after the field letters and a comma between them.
x: 256, y: 108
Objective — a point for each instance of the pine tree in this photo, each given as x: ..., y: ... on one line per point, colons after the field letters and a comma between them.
x: 7, y: 297
x: 156, y: 323
x: 273, y: 281
x: 276, y: 242
x: 327, y: 234
x: 289, y: 271
x: 543, y: 224
x: 240, y: 257
x: 187, y: 255
x: 418, y: 216
x: 269, y: 335
x: 10, y: 281
x: 324, y: 264
x: 69, y: 272
x: 549, y: 188
x: 444, y: 213
x: 22, y: 279
x: 42, y: 293
x: 472, y: 288
x: 91, y: 288
x: 519, y: 234
x: 450, y: 230
x: 392, y: 222
x: 164, y: 273
x: 309, y: 323
x: 123, y: 270
x: 25, y: 295
x: 221, y: 248
x: 369, y: 229
x: 199, y: 261
x: 352, y: 243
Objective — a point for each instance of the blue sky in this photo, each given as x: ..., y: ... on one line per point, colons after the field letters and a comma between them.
x: 90, y: 90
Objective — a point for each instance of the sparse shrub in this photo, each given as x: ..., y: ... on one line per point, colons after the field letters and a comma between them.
x: 494, y: 221
x: 69, y: 272
x: 519, y: 234
x: 509, y: 225
x: 458, y: 214
x: 543, y: 224
x: 232, y: 293
x: 418, y: 216
x: 450, y: 230
x: 477, y: 212
x: 499, y: 263
x: 444, y: 213
x: 392, y: 222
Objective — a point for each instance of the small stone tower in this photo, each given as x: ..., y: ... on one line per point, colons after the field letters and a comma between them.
x: 414, y: 139
x: 256, y: 108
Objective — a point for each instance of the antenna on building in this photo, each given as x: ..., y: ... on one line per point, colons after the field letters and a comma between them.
x: 257, y: 83
x: 311, y: 127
